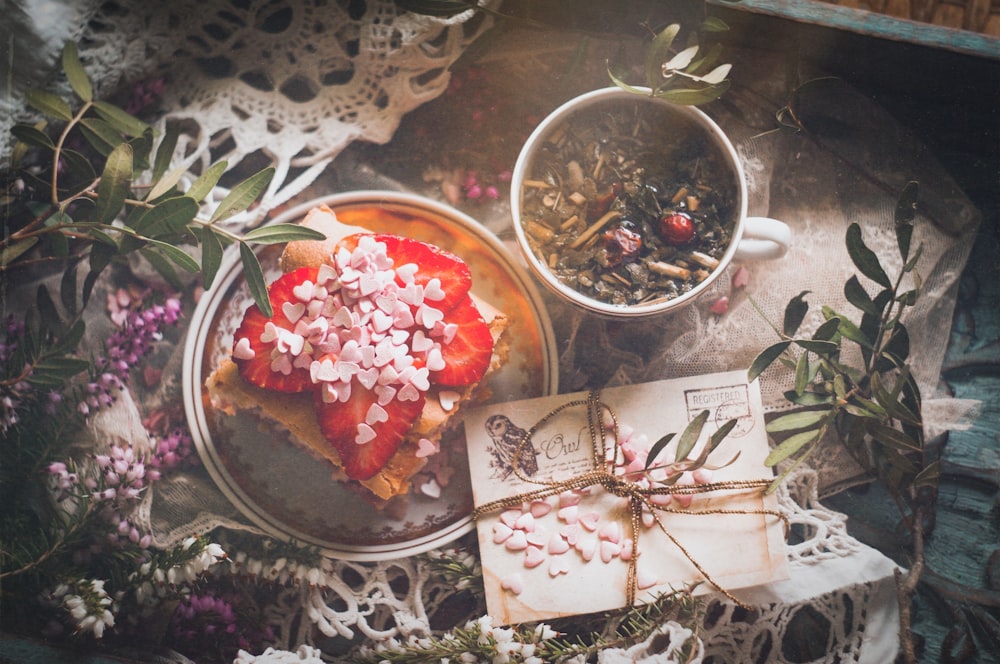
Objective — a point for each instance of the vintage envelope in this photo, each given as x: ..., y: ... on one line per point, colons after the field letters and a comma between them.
x: 567, y: 555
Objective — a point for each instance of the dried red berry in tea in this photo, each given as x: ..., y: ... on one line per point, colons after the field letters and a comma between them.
x: 628, y: 208
x: 676, y: 229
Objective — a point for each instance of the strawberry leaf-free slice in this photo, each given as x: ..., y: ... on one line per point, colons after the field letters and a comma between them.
x: 467, y: 356
x: 257, y: 369
x: 431, y: 261
x: 340, y: 421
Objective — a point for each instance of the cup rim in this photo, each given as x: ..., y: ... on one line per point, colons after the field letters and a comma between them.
x: 578, y: 104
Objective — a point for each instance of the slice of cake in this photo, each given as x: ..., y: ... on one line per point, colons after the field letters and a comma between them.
x: 374, y: 343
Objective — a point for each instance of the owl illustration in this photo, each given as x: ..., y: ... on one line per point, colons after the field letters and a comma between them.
x: 506, y: 436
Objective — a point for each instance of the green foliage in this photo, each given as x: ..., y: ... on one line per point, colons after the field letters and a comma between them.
x: 690, y: 76
x: 685, y: 445
x: 121, y: 198
x: 875, y: 408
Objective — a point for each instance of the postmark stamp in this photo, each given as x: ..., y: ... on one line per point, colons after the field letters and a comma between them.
x: 724, y: 403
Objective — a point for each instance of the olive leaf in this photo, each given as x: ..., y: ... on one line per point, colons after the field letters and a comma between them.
x: 211, y: 255
x: 75, y: 73
x: 164, y: 155
x: 858, y: 296
x: 864, y: 258
x: 243, y: 195
x: 254, y: 276
x: 657, y: 54
x: 113, y: 187
x: 281, y: 233
x: 124, y: 122
x: 795, y: 313
x: 48, y: 104
x: 31, y: 135
x: 170, y: 216
x: 765, y: 359
x: 100, y: 134
x: 203, y: 186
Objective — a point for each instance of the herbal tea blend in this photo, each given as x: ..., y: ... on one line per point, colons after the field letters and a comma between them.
x: 628, y: 205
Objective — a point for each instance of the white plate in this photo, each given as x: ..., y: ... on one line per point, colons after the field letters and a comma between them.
x: 287, y: 491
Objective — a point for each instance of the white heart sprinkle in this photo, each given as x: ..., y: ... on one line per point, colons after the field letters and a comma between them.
x: 406, y: 271
x: 293, y: 312
x: 343, y: 318
x: 243, y: 351
x: 365, y: 434
x: 513, y: 583
x: 448, y: 399
x: 303, y: 291
x: 368, y: 378
x: 435, y: 361
x: 431, y: 488
x: 626, y: 550
x: 433, y: 290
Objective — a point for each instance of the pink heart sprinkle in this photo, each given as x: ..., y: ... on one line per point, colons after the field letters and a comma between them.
x: 557, y: 545
x: 421, y: 342
x: 587, y: 546
x: 721, y: 305
x: 626, y: 550
x: 525, y: 522
x: 645, y: 579
x: 538, y: 537
x: 513, y: 583
x: 408, y: 393
x: 611, y: 532
x: 518, y: 541
x: 558, y: 565
x: 589, y: 520
x: 365, y: 434
x: 569, y: 514
x: 243, y: 351
x: 533, y: 557
x: 567, y: 498
x: 375, y: 415
x: 425, y: 448
x: 741, y: 278
x: 405, y: 272
x: 571, y: 533
x: 510, y: 517
x: 501, y: 533
x: 609, y: 550
x: 540, y: 508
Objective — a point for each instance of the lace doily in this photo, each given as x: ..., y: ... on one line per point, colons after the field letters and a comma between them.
x: 287, y: 83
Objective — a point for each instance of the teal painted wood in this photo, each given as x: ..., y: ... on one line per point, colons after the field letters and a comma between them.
x: 871, y: 24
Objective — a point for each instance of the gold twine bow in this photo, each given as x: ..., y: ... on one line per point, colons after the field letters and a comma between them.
x: 637, y: 496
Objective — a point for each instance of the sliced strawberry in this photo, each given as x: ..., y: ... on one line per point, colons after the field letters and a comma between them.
x: 432, y: 261
x: 467, y: 356
x: 339, y: 423
x: 257, y: 370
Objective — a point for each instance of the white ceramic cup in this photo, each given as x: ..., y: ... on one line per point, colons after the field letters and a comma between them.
x: 753, y: 238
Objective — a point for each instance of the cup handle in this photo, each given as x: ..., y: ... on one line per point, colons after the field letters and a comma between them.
x: 763, y: 239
